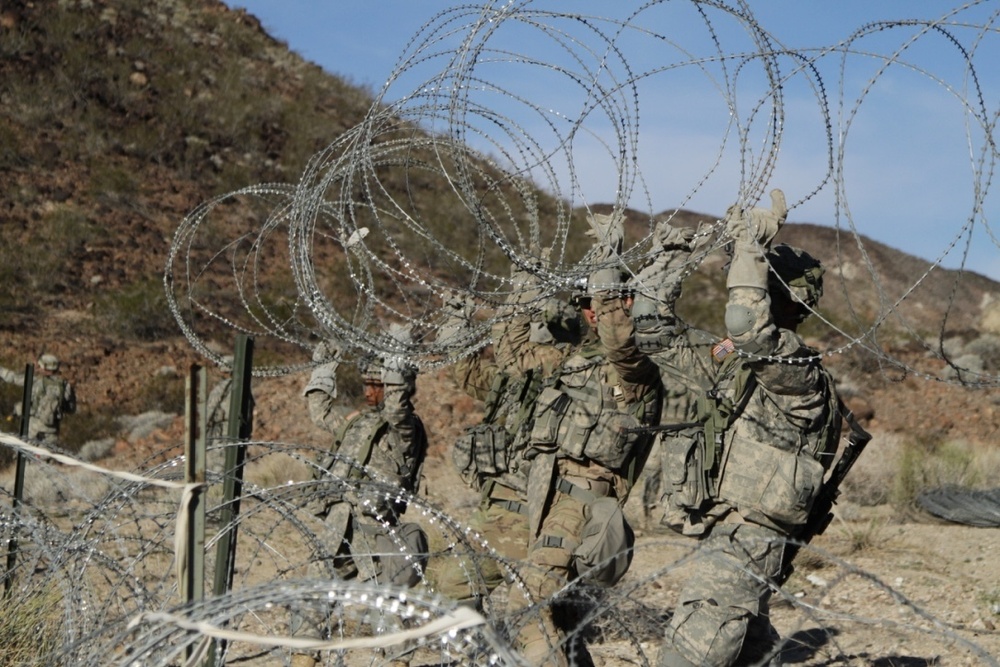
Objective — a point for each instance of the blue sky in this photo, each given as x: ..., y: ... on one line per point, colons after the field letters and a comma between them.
x: 912, y: 156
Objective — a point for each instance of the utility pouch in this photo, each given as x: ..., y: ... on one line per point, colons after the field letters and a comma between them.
x: 614, y: 440
x: 482, y: 450
x: 685, y: 473
x: 550, y: 412
x: 779, y: 484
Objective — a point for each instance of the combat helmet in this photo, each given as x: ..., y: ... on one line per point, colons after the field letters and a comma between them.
x: 795, y: 274
x: 48, y: 362
x: 370, y: 367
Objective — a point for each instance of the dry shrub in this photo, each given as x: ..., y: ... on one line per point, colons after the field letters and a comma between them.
x: 30, y: 630
x: 895, y: 468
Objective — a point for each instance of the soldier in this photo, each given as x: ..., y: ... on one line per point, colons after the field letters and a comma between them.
x: 768, y: 438
x: 489, y: 456
x: 51, y: 398
x: 379, y: 447
x: 586, y: 448
x: 680, y: 351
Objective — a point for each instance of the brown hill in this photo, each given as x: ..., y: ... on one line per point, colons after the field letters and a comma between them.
x: 119, y: 117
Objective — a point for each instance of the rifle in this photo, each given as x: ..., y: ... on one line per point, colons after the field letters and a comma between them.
x: 822, y: 509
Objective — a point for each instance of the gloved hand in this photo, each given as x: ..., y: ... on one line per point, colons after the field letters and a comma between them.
x: 759, y: 225
x: 458, y: 309
x: 397, y: 369
x: 353, y: 242
x: 608, y: 232
x: 525, y: 285
x: 668, y: 237
x: 327, y: 349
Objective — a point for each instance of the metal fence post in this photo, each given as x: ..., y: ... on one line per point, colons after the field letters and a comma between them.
x: 240, y: 428
x: 29, y: 379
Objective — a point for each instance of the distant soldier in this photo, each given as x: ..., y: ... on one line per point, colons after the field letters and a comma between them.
x: 51, y: 398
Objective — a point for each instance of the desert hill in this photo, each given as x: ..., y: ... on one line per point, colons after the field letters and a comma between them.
x: 120, y: 117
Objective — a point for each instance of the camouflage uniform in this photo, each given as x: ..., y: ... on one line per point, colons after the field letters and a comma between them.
x: 51, y: 398
x: 388, y: 439
x: 780, y: 434
x: 579, y: 457
x: 390, y: 442
x: 507, y: 388
x: 682, y: 354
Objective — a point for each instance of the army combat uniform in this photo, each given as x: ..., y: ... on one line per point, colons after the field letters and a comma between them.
x: 385, y: 444
x: 489, y: 456
x: 586, y: 448
x: 51, y: 398
x: 773, y: 433
x: 683, y: 355
x: 376, y: 451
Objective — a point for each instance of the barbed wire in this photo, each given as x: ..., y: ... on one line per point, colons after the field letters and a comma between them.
x: 96, y: 549
x: 470, y: 161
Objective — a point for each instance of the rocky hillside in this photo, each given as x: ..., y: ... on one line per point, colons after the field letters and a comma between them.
x: 118, y: 117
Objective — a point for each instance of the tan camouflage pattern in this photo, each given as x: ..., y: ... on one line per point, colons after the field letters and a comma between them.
x: 723, y: 597
x: 473, y: 576
x: 686, y: 370
x: 52, y: 397
x: 618, y: 372
x: 789, y: 410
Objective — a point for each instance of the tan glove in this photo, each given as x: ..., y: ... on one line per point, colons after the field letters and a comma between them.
x: 668, y: 237
x: 397, y: 369
x: 753, y: 232
x: 758, y: 225
x: 458, y: 310
x: 608, y: 232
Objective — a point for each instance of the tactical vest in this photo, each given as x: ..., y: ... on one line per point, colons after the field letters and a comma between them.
x: 366, y: 440
x: 581, y: 413
x: 491, y: 448
x: 771, y: 483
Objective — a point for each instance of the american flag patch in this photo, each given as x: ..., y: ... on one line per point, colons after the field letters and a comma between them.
x: 723, y: 349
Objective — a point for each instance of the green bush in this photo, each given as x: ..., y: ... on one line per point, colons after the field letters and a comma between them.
x: 31, y: 627
x: 163, y: 393
x: 81, y: 427
x: 140, y: 311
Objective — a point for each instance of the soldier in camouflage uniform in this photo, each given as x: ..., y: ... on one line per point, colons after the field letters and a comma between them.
x: 680, y: 351
x: 586, y: 449
x: 489, y: 455
x: 388, y: 439
x: 51, y: 398
x: 771, y: 435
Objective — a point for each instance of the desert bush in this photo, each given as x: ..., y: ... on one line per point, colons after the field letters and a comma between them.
x: 31, y: 627
x: 82, y: 427
x: 895, y: 469
x: 139, y: 311
x: 987, y: 348
x: 163, y: 393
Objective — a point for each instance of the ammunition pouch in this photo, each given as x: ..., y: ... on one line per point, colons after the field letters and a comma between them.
x: 403, y: 554
x: 779, y: 484
x: 482, y: 451
x: 608, y: 437
x: 686, y: 474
